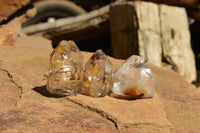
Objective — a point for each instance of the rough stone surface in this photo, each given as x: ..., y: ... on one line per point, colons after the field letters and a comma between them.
x: 8, y: 7
x: 158, y: 33
x: 35, y: 110
x: 181, y: 100
x: 10, y: 93
x: 7, y: 36
x: 129, y: 114
x: 16, y: 23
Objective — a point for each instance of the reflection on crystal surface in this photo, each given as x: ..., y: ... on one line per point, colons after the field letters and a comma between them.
x: 66, y: 66
x: 133, y: 79
x: 97, y: 78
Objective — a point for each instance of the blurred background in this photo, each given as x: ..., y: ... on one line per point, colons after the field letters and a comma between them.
x: 163, y: 32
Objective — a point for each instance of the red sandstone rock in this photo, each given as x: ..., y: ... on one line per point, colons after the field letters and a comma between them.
x: 8, y: 7
x: 7, y: 36
x: 174, y: 108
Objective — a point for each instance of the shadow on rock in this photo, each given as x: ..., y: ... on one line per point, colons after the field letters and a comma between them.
x: 43, y: 91
x: 129, y: 98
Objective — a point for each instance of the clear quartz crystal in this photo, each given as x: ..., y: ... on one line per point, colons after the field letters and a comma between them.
x: 66, y: 67
x: 97, y: 78
x: 133, y: 79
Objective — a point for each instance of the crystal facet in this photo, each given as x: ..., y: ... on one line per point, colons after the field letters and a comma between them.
x: 66, y: 67
x: 97, y: 78
x: 133, y: 79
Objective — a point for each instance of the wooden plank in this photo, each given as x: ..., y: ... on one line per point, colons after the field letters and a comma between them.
x: 185, y: 3
x: 87, y: 26
x: 135, y: 30
x: 160, y: 34
x: 81, y: 27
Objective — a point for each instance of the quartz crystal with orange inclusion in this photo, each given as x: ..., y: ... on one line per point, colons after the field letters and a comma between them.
x: 66, y: 67
x: 133, y: 79
x: 97, y: 77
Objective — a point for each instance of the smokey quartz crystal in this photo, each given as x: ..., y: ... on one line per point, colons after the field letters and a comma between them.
x: 133, y: 79
x: 66, y: 67
x: 97, y: 77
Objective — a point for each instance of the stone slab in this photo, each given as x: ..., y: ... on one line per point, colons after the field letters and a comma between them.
x: 39, y: 111
x: 129, y: 114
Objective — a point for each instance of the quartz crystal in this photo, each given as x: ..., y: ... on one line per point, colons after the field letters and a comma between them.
x: 133, y: 79
x: 97, y: 78
x: 66, y: 67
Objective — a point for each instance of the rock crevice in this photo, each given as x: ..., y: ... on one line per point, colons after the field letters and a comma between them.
x: 12, y: 81
x: 100, y: 112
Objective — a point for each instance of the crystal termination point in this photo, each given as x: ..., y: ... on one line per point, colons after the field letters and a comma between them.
x: 97, y: 78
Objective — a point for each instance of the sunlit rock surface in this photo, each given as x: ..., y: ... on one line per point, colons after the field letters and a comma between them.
x: 66, y: 66
x: 7, y: 36
x: 27, y: 106
x: 133, y: 79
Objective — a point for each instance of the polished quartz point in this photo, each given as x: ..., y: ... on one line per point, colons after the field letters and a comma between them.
x: 97, y: 77
x: 133, y: 79
x: 66, y: 67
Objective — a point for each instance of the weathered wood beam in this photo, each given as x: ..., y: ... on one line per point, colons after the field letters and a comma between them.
x: 192, y: 6
x: 160, y: 34
x: 78, y: 28
x: 185, y: 3
x: 91, y: 25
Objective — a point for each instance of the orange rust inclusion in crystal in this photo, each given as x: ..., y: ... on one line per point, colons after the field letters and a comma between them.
x: 133, y: 92
x: 94, y: 71
x: 89, y: 84
x: 89, y: 89
x: 55, y: 61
